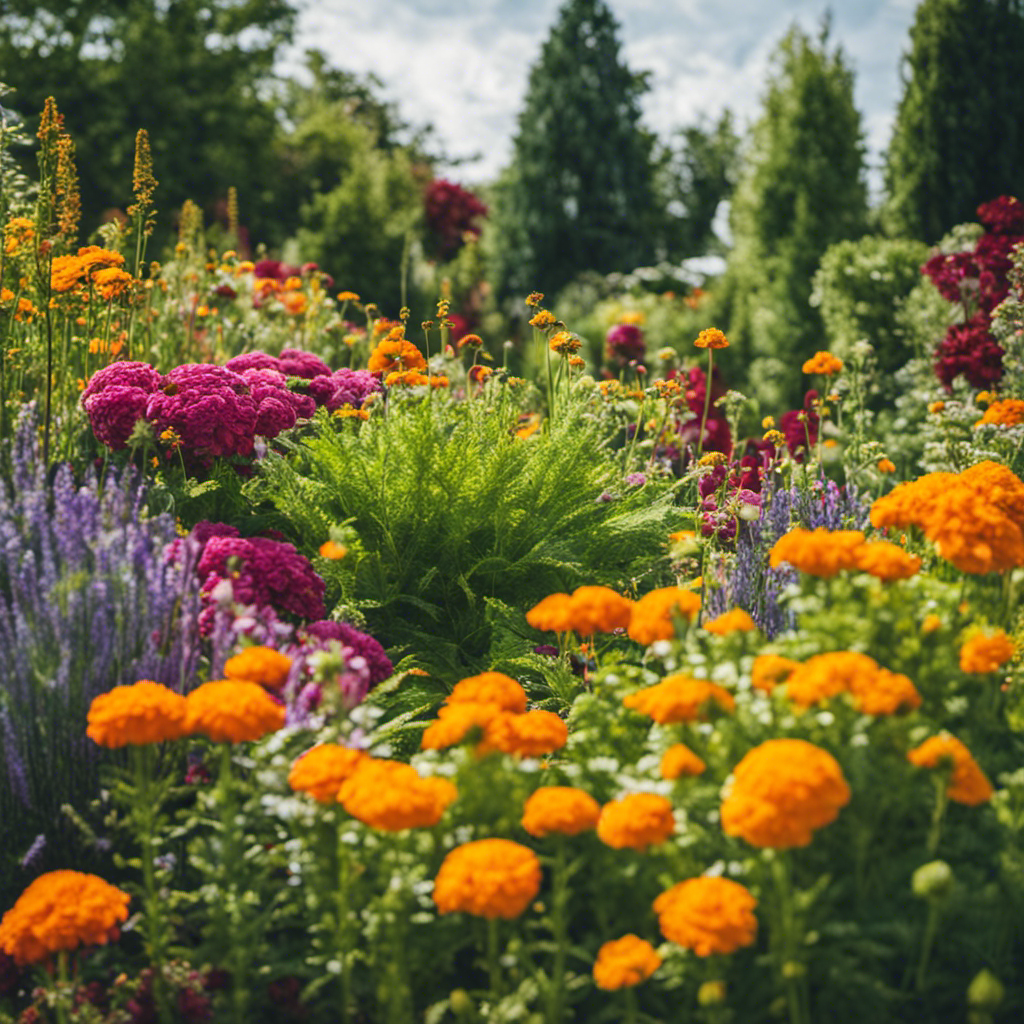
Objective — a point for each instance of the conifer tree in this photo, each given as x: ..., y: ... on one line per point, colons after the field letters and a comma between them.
x: 958, y: 139
x: 578, y: 194
x: 801, y: 189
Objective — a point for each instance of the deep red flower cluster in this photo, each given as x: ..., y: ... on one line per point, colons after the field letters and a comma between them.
x: 624, y: 344
x: 451, y: 213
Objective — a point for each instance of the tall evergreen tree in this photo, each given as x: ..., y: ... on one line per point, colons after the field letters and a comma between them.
x: 579, y: 194
x: 958, y: 139
x: 802, y: 188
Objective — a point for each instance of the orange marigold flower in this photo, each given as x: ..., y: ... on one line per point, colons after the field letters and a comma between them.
x: 708, y: 915
x: 66, y: 273
x: 625, y: 962
x: 769, y: 670
x: 931, y: 623
x: 1008, y: 412
x: 393, y: 796
x: 565, y: 343
x: 529, y: 735
x: 679, y: 698
x: 886, y: 561
x: 94, y: 257
x: 543, y: 319
x: 112, y: 282
x: 347, y: 297
x: 908, y: 504
x: 232, y: 711
x: 332, y: 549
x: 261, y: 665
x: 781, y: 792
x: 145, y: 712
x: 976, y: 536
x: 60, y: 911
x: 936, y: 407
x: 562, y: 809
x: 999, y: 486
x: 490, y: 688
x: 599, y: 610
x: 968, y: 784
x: 827, y: 675
x: 885, y: 693
x: 488, y: 878
x: 679, y: 762
x: 321, y: 771
x: 824, y: 363
x: 819, y: 552
x: 736, y: 620
x: 553, y: 614
x: 636, y: 821
x: 396, y: 354
x: 711, y: 337
x: 653, y: 617
x: 985, y: 652
x: 885, y: 466
x: 455, y: 722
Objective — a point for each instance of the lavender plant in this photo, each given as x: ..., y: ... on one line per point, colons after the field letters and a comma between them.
x: 88, y: 601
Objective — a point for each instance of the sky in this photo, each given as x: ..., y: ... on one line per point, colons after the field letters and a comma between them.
x: 462, y: 65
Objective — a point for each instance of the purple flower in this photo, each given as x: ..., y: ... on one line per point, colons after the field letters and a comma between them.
x: 114, y: 411
x: 296, y: 363
x: 362, y: 644
x: 636, y: 479
x: 253, y: 361
x: 625, y: 343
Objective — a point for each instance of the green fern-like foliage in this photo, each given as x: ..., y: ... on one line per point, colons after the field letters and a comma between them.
x: 449, y: 508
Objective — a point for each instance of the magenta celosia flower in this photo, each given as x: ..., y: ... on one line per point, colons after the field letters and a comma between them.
x: 253, y: 361
x: 114, y: 411
x: 296, y: 363
x: 969, y: 349
x: 624, y: 343
x: 135, y: 375
x: 363, y: 645
x: 343, y: 387
x: 1003, y: 216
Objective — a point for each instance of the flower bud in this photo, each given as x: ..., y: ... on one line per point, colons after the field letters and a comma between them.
x: 460, y: 1002
x: 711, y: 993
x: 793, y: 969
x: 932, y: 881
x: 986, y: 991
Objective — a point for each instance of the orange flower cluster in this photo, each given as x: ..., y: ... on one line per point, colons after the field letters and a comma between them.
x: 395, y: 353
x: 679, y: 762
x: 708, y: 915
x: 625, y: 962
x: 782, y: 791
x: 818, y: 552
x: 455, y: 722
x: 886, y: 561
x: 680, y: 698
x: 1008, y: 412
x: 968, y: 784
x: 488, y: 878
x: 60, y: 911
x: 145, y: 712
x: 232, y: 711
x: 321, y: 771
x: 562, y: 809
x: 985, y: 652
x: 414, y: 379
x: 261, y: 665
x: 393, y: 796
x: 769, y: 670
x: 711, y: 337
x: 653, y: 616
x: 736, y: 620
x: 636, y: 821
x: 490, y: 688
x: 528, y: 735
x: 69, y: 272
x: 824, y: 363
x: 587, y: 610
x: 872, y: 689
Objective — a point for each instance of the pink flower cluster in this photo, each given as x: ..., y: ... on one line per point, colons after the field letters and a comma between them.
x: 979, y: 281
x: 330, y: 390
x: 624, y: 343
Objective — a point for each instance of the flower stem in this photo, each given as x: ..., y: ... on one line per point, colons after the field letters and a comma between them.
x: 559, y: 900
x: 930, y: 930
x: 707, y: 402
x: 941, y: 802
x: 493, y: 965
x: 341, y: 933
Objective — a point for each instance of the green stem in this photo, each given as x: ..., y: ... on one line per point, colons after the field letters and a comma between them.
x: 707, y: 402
x: 930, y: 930
x: 493, y: 964
x: 559, y: 901
x: 938, y: 813
x: 789, y: 965
x: 62, y: 986
x: 341, y: 934
x: 233, y: 932
x: 630, y: 999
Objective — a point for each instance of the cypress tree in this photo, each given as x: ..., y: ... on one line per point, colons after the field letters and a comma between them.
x: 578, y: 194
x: 958, y: 139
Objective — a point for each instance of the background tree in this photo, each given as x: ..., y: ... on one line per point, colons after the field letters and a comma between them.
x: 958, y: 139
x: 195, y: 73
x: 801, y: 189
x: 578, y: 195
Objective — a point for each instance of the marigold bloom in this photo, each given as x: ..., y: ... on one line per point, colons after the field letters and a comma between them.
x: 769, y: 670
x: 884, y: 693
x: 553, y: 614
x: 783, y: 791
x: 679, y: 761
x: 908, y: 504
x: 885, y: 466
x: 488, y: 878
x: 60, y: 911
x: 653, y: 616
x: 976, y: 536
x: 261, y: 665
x: 529, y: 735
x: 931, y: 623
x: 679, y: 698
x: 112, y: 282
x: 968, y: 784
x: 736, y: 620
x: 999, y: 486
x: 824, y: 363
x: 819, y: 552
x: 625, y: 962
x: 827, y: 675
x: 1008, y: 412
x: 321, y: 771
x: 395, y: 354
x: 330, y: 548
x: 489, y: 688
x: 456, y: 721
x: 636, y: 821
x: 542, y: 319
x: 886, y: 561
x: 393, y: 796
x: 145, y: 712
x: 232, y: 711
x: 347, y: 297
x: 562, y: 809
x: 985, y: 652
x: 711, y: 337
x: 708, y: 915
x: 599, y: 610
x: 93, y: 257
x: 66, y: 273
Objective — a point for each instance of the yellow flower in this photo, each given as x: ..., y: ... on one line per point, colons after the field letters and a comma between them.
x: 261, y: 665
x: 527, y: 735
x: 769, y: 670
x: 232, y: 711
x: 543, y: 319
x: 321, y: 771
x: 653, y: 616
x: 817, y: 552
x: 1009, y: 412
x: 490, y: 688
x: 679, y: 761
x: 885, y: 466
x: 331, y: 549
